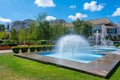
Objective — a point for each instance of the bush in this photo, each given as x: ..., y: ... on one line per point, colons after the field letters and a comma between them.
x: 1, y: 41
x: 12, y: 44
x: 38, y: 48
x: 32, y: 48
x: 116, y: 45
x: 24, y: 49
x: 51, y: 47
x: 43, y: 42
x: 45, y: 48
x: 16, y: 49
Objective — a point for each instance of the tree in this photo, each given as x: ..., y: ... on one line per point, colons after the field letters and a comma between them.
x: 32, y: 31
x: 57, y: 30
x: 23, y: 35
x: 3, y: 35
x: 2, y: 27
x: 82, y: 27
x: 87, y: 28
x: 43, y: 27
x: 78, y: 26
x: 13, y: 35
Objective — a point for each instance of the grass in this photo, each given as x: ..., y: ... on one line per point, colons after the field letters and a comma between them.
x: 14, y: 68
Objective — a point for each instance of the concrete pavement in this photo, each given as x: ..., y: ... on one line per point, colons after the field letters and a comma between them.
x: 5, y: 51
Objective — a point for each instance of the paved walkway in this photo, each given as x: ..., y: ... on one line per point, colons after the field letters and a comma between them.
x: 5, y: 51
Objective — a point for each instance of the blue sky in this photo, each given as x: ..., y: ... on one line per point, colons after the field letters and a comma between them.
x: 69, y: 10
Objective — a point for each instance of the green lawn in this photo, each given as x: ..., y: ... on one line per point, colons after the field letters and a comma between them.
x: 14, y: 68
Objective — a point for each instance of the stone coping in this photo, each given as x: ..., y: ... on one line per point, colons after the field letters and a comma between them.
x: 102, y: 67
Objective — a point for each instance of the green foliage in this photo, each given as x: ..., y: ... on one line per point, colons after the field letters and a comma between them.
x: 9, y: 43
x: 82, y: 27
x: 16, y: 49
x: 2, y: 27
x: 3, y: 35
x: 45, y: 48
x: 43, y: 27
x: 39, y: 30
x: 43, y: 42
x: 38, y: 48
x: 116, y: 45
x: 13, y: 35
x: 32, y: 31
x: 24, y: 49
x: 23, y: 35
x: 1, y: 41
x: 57, y: 30
x: 32, y: 48
x: 51, y: 47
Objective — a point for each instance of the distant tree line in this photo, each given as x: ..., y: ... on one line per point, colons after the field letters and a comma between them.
x: 3, y: 33
x: 41, y: 29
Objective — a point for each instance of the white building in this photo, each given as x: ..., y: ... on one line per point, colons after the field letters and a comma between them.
x: 103, y: 28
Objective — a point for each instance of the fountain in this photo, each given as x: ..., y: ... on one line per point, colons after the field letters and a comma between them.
x: 72, y: 44
x: 97, y: 35
x: 75, y: 48
x: 106, y: 44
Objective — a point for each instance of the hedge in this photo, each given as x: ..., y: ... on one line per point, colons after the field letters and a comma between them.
x: 16, y: 49
x: 24, y: 49
x: 32, y: 48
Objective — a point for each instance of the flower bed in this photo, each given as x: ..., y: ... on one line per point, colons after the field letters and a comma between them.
x: 5, y: 47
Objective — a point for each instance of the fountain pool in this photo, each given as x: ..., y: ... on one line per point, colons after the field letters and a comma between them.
x: 75, y: 48
x: 84, y: 58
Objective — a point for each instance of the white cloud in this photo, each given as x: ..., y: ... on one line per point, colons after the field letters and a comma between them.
x: 49, y: 18
x: 92, y: 6
x: 4, y: 20
x: 117, y: 12
x: 78, y: 15
x: 44, y: 3
x: 73, y: 7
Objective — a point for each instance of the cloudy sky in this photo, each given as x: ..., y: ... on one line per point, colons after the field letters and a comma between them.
x: 69, y: 10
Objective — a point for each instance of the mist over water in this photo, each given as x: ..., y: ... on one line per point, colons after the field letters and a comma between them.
x: 72, y: 44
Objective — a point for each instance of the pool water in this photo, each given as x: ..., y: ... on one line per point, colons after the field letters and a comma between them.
x: 79, y: 57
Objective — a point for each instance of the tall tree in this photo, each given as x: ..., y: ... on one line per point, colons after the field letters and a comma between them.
x: 43, y: 27
x: 32, y: 31
x: 82, y: 27
x: 57, y: 30
x: 23, y: 35
x: 78, y: 26
x: 87, y: 30
x: 3, y: 35
x: 13, y: 35
x: 2, y: 27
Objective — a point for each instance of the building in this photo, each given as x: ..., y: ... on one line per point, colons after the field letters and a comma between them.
x: 118, y: 28
x: 103, y: 28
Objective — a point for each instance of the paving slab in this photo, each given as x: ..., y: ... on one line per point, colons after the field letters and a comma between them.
x: 5, y: 51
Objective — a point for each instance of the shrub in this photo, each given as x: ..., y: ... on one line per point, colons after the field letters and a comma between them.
x: 12, y: 44
x: 116, y: 45
x: 43, y: 42
x: 51, y: 47
x: 1, y: 41
x: 38, y: 48
x: 16, y: 49
x: 32, y: 48
x: 45, y: 48
x: 24, y: 49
